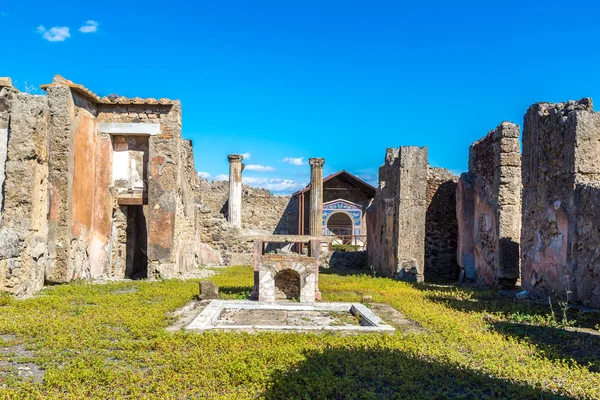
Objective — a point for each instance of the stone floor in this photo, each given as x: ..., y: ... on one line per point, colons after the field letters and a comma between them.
x: 13, y: 361
x: 230, y: 317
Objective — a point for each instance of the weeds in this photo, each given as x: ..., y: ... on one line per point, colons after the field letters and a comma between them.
x: 93, y: 343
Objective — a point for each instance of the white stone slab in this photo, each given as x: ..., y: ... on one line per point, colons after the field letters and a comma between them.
x: 141, y: 128
x: 207, y: 318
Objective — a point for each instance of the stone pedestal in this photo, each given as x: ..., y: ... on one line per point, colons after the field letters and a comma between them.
x: 316, y: 196
x: 234, y: 215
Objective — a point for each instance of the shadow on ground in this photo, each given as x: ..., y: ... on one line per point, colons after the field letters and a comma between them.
x: 490, y: 301
x: 532, y: 322
x: 342, y: 373
x: 558, y: 343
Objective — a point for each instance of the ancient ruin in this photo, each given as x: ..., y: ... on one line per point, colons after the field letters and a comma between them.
x: 106, y: 188
x: 343, y: 214
x: 489, y: 209
x: 93, y: 188
x: 234, y: 200
x: 560, y: 239
x: 396, y: 217
x: 287, y: 276
x: 441, y: 227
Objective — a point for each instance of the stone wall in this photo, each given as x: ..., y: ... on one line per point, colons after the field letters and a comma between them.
x: 441, y: 227
x: 396, y: 217
x: 24, y: 122
x: 262, y: 214
x: 64, y: 213
x: 561, y: 201
x: 488, y: 209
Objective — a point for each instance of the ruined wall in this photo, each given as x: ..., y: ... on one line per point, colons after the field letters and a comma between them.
x: 62, y: 113
x: 262, y: 214
x: 488, y: 209
x: 24, y: 121
x: 64, y: 217
x: 441, y: 227
x: 396, y: 217
x: 171, y: 181
x: 561, y: 201
x: 133, y: 113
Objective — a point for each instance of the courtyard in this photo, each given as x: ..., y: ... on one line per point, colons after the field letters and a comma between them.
x: 85, y: 340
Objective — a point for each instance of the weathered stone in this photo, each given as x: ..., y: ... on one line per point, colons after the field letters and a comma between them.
x: 561, y: 201
x: 316, y: 196
x: 286, y: 276
x: 62, y: 113
x: 3, y: 154
x: 10, y: 245
x: 25, y: 206
x: 234, y: 214
x: 71, y: 220
x: 208, y: 290
x: 488, y: 209
x: 396, y: 217
x: 263, y: 214
x: 441, y: 227
x: 347, y: 259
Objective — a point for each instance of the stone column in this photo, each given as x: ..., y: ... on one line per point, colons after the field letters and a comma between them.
x: 316, y: 196
x: 234, y: 215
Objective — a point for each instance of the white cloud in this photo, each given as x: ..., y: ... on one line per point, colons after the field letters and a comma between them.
x: 246, y: 156
x: 222, y: 177
x: 54, y: 34
x: 275, y: 185
x: 258, y: 168
x: 90, y: 26
x: 204, y: 175
x: 294, y: 161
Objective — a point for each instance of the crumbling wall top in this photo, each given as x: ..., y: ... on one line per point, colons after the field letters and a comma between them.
x: 545, y: 108
x: 5, y: 81
x: 60, y: 81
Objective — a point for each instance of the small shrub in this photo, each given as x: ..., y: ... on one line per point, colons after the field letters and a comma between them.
x: 347, y: 248
x: 5, y: 299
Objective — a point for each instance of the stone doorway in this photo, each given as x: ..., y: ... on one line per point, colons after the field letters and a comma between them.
x: 340, y: 224
x: 287, y: 285
x: 136, y: 263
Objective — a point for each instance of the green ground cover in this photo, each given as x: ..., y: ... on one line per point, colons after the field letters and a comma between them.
x: 109, y: 341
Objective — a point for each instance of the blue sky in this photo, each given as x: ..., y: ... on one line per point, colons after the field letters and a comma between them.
x: 341, y: 80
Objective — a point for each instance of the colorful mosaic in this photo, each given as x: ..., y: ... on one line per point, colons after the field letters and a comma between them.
x: 354, y: 211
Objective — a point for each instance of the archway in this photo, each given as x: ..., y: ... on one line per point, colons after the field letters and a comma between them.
x: 340, y: 224
x: 287, y: 285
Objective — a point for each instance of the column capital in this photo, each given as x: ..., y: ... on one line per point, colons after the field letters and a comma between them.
x: 316, y: 162
x: 235, y: 158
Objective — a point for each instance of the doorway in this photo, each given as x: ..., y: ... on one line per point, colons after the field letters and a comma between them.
x: 340, y: 224
x: 136, y: 266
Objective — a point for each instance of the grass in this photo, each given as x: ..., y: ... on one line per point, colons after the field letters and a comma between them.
x: 108, y: 341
